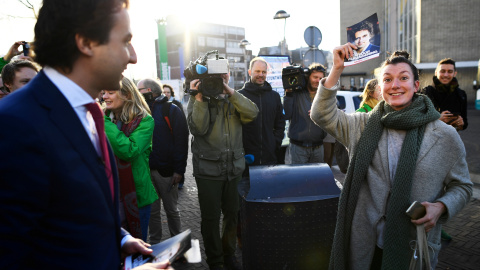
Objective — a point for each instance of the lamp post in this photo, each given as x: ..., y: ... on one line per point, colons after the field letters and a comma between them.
x: 243, y: 44
x: 282, y: 14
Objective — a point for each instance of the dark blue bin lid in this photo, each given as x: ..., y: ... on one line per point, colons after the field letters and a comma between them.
x: 291, y: 183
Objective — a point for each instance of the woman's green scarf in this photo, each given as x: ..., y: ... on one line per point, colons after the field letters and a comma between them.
x: 413, y: 119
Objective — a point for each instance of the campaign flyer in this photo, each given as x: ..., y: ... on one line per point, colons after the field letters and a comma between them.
x: 366, y: 36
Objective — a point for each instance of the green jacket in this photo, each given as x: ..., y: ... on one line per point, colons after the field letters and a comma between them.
x: 365, y: 108
x: 217, y: 145
x: 135, y: 149
x: 2, y: 63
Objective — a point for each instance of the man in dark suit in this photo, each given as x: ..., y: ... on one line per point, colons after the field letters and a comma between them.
x: 58, y: 189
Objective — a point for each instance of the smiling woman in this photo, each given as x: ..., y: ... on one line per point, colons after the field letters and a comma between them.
x: 391, y: 150
x: 129, y: 128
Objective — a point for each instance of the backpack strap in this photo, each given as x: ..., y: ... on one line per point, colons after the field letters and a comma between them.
x: 166, y: 114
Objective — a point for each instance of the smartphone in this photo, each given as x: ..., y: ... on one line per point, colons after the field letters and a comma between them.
x: 416, y: 210
x: 26, y: 49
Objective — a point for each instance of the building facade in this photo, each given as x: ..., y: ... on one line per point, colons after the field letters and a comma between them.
x: 187, y: 43
x: 429, y: 30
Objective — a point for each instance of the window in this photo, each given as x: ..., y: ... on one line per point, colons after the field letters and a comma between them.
x: 407, y: 27
x: 356, y: 102
x: 201, y: 41
x: 216, y: 42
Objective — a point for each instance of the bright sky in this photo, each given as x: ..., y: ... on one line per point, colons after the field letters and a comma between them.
x: 261, y: 30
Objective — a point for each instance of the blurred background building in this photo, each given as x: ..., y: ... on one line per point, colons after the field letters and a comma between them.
x: 429, y: 29
x: 186, y: 43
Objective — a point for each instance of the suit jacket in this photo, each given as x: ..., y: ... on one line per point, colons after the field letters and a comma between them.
x: 56, y: 208
x: 441, y: 175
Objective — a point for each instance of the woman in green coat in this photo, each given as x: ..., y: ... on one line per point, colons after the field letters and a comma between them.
x: 129, y: 128
x: 370, y: 96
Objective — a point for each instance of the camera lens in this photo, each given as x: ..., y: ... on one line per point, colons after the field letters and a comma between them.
x: 293, y: 80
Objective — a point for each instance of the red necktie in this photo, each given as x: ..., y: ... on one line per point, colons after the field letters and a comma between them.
x: 97, y: 115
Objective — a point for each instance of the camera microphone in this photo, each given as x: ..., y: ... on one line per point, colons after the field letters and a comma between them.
x: 249, y: 159
x: 200, y: 69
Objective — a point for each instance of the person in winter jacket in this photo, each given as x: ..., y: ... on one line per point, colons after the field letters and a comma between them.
x: 447, y: 97
x: 129, y: 128
x: 218, y: 163
x: 263, y: 137
x: 306, y: 138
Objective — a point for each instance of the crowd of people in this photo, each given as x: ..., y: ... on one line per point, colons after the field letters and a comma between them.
x: 97, y: 153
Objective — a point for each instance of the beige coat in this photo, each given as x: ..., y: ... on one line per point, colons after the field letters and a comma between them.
x: 441, y: 174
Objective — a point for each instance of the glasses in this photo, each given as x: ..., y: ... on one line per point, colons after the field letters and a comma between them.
x: 140, y: 89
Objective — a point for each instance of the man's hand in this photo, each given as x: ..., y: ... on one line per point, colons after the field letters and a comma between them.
x: 136, y: 245
x: 227, y: 90
x: 458, y: 124
x: 148, y: 266
x: 194, y: 86
x: 176, y: 178
x: 450, y: 119
x: 434, y: 211
x: 446, y: 116
x: 13, y: 51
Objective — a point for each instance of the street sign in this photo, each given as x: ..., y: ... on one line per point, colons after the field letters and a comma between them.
x: 314, y: 56
x: 312, y: 36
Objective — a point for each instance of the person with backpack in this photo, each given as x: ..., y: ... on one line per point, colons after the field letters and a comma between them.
x: 168, y: 161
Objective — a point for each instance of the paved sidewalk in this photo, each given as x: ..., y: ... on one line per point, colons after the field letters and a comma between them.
x: 463, y: 252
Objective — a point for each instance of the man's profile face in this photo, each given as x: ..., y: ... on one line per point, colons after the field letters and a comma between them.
x: 258, y: 73
x: 445, y: 73
x: 314, y: 79
x: 362, y: 39
x: 109, y: 60
x: 141, y: 87
x: 22, y: 77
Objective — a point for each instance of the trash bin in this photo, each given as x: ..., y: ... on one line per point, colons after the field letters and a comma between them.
x: 287, y: 216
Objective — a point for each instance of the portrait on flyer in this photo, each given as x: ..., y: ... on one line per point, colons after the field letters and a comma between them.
x: 366, y: 36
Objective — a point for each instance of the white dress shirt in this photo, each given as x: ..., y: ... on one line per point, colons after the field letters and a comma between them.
x: 77, y: 97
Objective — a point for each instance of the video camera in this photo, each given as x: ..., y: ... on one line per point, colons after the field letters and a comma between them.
x: 209, y: 71
x: 295, y: 77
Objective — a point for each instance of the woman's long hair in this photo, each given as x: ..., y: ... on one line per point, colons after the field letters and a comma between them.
x: 367, y: 95
x: 135, y: 103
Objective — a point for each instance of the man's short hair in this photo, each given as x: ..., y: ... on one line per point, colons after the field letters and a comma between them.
x: 154, y: 85
x: 59, y: 21
x: 172, y: 92
x: 447, y: 61
x: 257, y: 59
x: 365, y: 25
x: 317, y: 67
x: 8, y: 72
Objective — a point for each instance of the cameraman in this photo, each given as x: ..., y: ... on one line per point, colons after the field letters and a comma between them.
x: 306, y: 138
x: 218, y: 163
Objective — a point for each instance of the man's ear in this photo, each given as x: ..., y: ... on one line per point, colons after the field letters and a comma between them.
x: 84, y: 45
x: 8, y: 86
x: 249, y: 72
